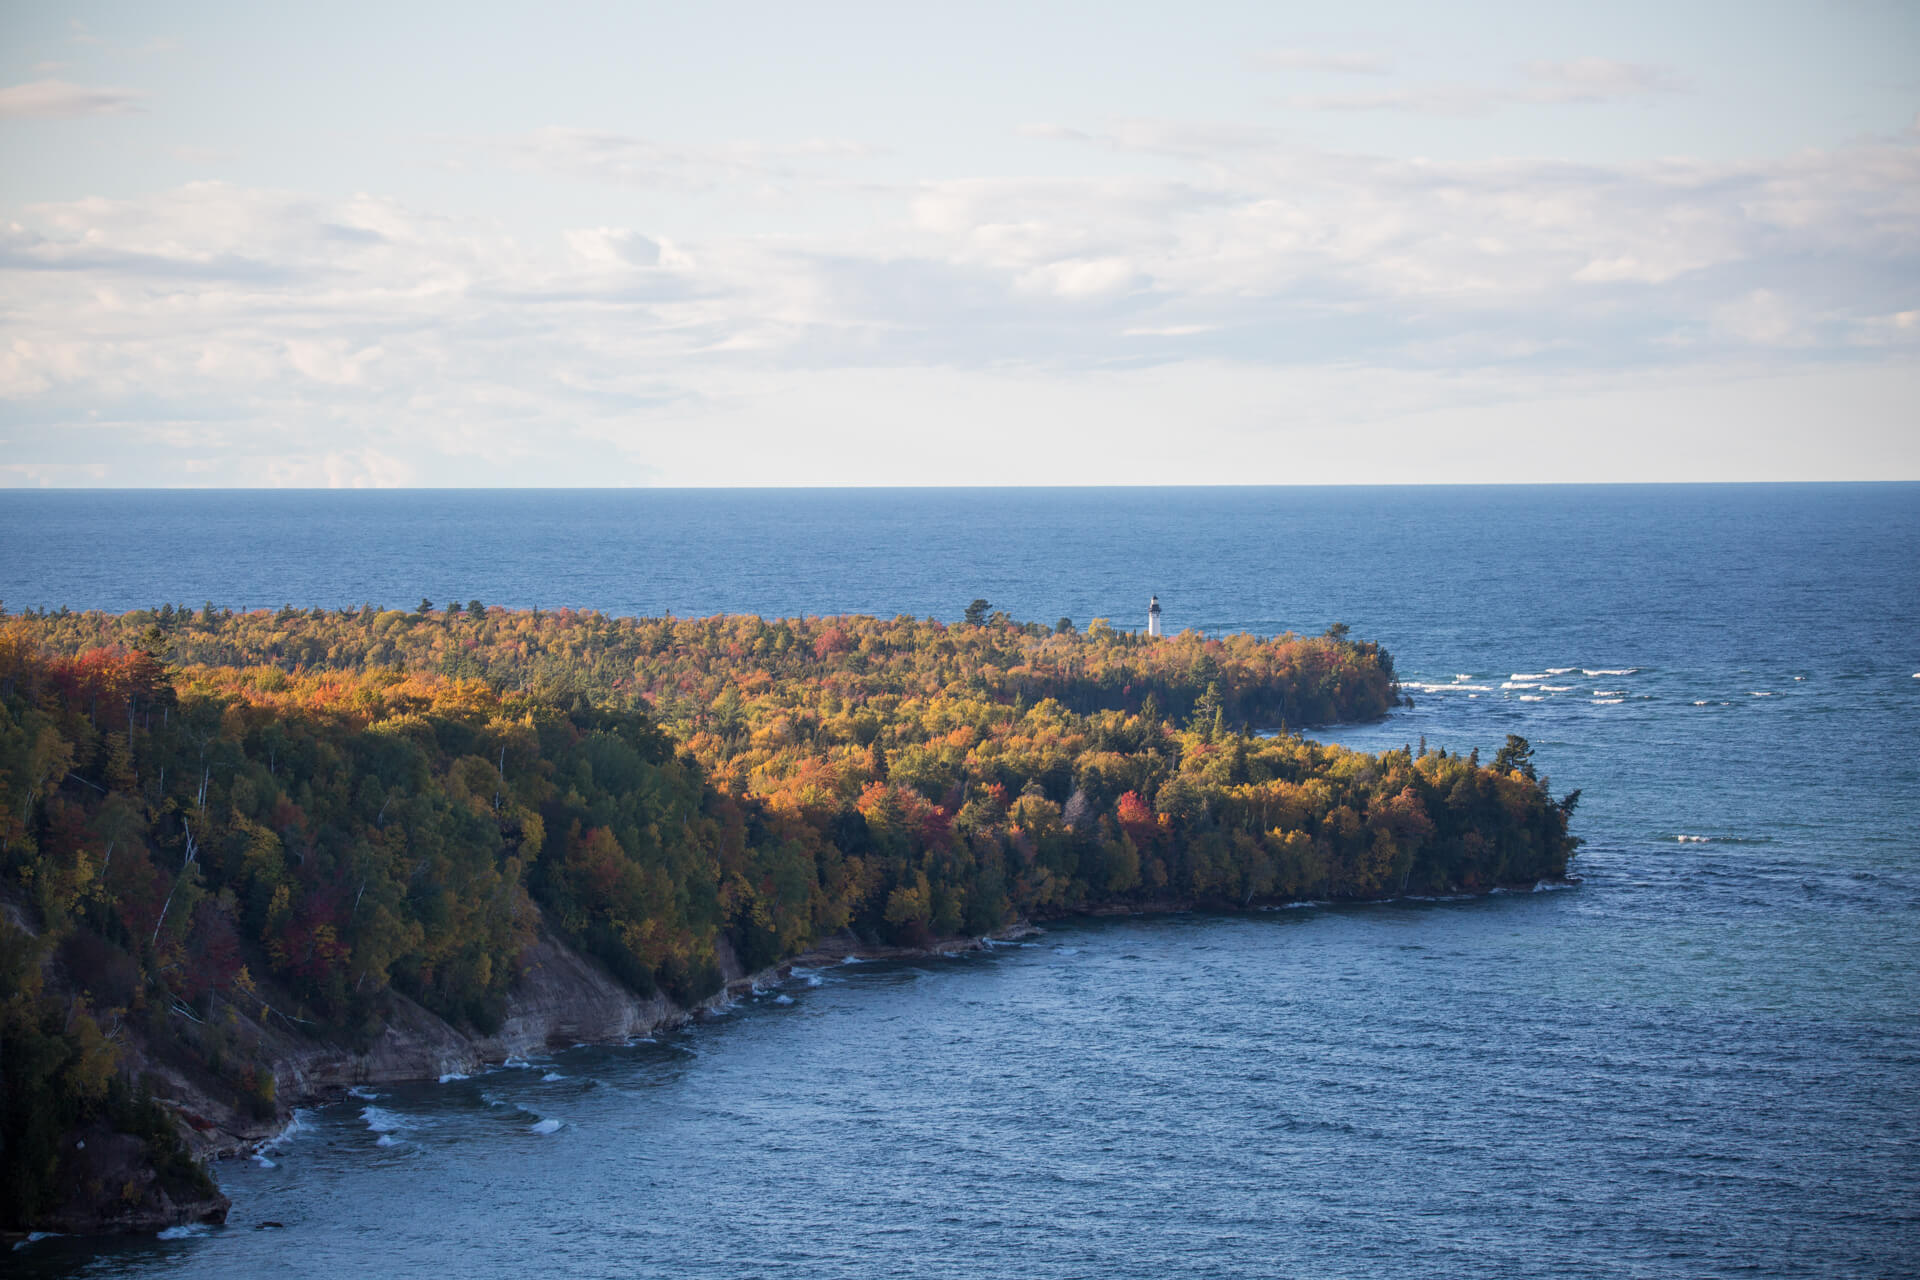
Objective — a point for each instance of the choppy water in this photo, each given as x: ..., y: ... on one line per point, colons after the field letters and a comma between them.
x: 1703, y: 1061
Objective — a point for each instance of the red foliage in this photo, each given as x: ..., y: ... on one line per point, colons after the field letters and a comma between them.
x: 1136, y: 817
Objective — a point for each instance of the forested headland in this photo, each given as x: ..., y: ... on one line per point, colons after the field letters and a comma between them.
x: 301, y: 813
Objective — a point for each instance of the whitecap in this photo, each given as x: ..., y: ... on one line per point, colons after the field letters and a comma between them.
x: 381, y: 1120
x: 1609, y: 693
x: 296, y: 1125
x: 386, y: 1140
x: 1556, y: 688
x: 1608, y: 702
x: 1560, y: 671
x: 1529, y: 675
x: 783, y: 998
x: 263, y: 1162
x: 1531, y: 697
x: 1608, y: 671
x: 1702, y: 702
x: 361, y: 1091
x: 1759, y: 693
x: 451, y: 1076
x: 185, y: 1231
x: 1548, y: 886
x: 548, y: 1125
x: 1521, y: 684
x: 853, y: 960
x: 550, y: 1077
x: 516, y: 1064
x: 1694, y: 839
x: 1066, y: 951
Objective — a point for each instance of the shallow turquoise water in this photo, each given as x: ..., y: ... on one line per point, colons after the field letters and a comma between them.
x: 1705, y: 1060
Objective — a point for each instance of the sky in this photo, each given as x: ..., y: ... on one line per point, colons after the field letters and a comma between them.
x: 576, y: 244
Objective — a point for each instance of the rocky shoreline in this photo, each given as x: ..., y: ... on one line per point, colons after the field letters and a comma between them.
x: 563, y: 998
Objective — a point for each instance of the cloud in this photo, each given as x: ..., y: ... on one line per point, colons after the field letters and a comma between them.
x: 629, y: 159
x: 1598, y: 80
x: 1761, y: 317
x: 1352, y: 64
x: 1580, y: 81
x: 59, y: 98
x: 289, y: 337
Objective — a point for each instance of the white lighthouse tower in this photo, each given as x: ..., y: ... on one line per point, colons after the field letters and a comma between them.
x: 1153, y: 616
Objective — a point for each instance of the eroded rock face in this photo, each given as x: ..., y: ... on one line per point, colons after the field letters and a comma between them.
x: 109, y: 1183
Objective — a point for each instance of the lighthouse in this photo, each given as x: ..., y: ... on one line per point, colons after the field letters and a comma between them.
x: 1153, y: 616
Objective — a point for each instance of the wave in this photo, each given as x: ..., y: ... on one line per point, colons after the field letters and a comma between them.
x: 548, y: 1125
x: 1550, y: 886
x: 451, y: 1076
x: 1609, y: 693
x: 1690, y: 839
x: 381, y: 1120
x: 550, y: 1077
x: 1066, y: 951
x: 1608, y: 702
x: 362, y: 1092
x: 186, y: 1231
x: 1608, y: 671
x: 1531, y: 697
x: 783, y: 998
x: 516, y: 1064
x: 1759, y: 693
x: 1560, y: 671
x: 1468, y: 675
x: 1521, y: 684
x: 1556, y: 688
x: 1532, y: 675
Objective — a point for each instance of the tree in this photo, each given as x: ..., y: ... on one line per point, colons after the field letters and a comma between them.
x: 1338, y: 631
x: 426, y: 606
x: 1064, y: 627
x: 976, y: 614
x: 476, y: 609
x: 1516, y: 755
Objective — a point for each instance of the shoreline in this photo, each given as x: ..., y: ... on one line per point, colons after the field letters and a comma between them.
x: 826, y: 953
x: 566, y: 1000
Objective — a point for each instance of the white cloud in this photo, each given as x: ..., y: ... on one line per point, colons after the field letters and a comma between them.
x: 1353, y: 64
x: 1262, y: 291
x: 1762, y: 317
x: 1581, y: 80
x: 59, y: 98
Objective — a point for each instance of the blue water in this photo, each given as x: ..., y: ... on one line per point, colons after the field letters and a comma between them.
x: 1702, y: 1061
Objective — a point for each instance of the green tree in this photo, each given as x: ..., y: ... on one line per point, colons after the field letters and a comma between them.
x: 976, y: 614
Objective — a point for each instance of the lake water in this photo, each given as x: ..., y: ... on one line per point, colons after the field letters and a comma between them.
x: 1704, y: 1060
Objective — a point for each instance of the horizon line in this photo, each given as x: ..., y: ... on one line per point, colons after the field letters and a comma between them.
x: 955, y: 488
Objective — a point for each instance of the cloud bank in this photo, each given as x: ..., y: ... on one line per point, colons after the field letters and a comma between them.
x: 1215, y: 302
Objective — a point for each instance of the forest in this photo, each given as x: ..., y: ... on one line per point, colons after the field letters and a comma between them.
x: 302, y: 812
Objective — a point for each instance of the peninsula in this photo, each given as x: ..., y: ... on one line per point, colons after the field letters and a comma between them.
x: 249, y: 858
